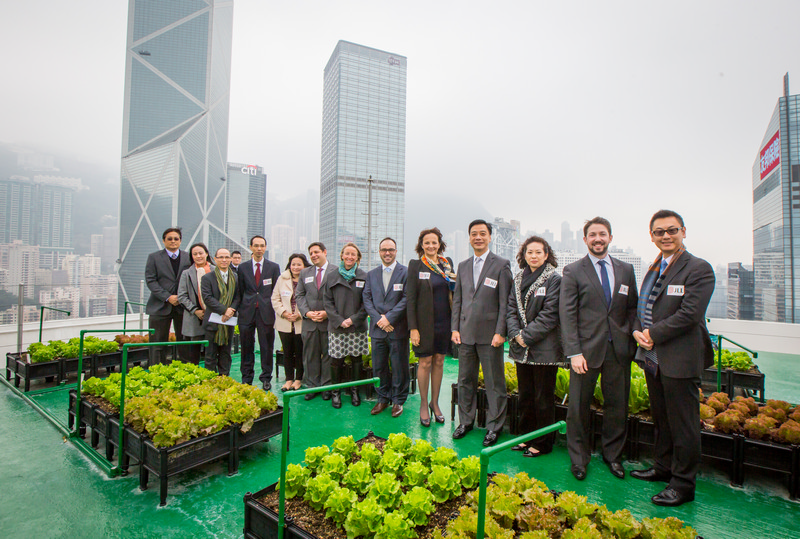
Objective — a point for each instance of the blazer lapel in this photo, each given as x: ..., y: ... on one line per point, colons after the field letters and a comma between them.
x: 591, y: 274
x: 673, y: 271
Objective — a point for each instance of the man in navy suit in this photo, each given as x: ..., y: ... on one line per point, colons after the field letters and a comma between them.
x: 162, y: 273
x: 256, y: 278
x: 385, y: 301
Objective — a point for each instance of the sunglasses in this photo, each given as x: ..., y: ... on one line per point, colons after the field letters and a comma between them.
x: 671, y: 231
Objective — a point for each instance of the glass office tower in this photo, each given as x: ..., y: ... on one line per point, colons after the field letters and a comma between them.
x: 245, y: 203
x: 363, y: 136
x: 175, y: 129
x: 776, y: 215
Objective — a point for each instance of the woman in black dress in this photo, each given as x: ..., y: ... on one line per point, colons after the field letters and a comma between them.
x: 429, y: 289
x: 535, y: 340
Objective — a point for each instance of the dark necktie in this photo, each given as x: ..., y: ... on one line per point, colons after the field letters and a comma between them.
x: 258, y: 278
x: 604, y: 281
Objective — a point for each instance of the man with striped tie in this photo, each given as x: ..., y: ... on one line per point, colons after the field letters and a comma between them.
x: 674, y: 348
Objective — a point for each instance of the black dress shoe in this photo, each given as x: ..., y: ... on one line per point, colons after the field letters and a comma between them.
x: 310, y: 396
x: 520, y: 447
x: 336, y: 399
x: 267, y: 386
x: 355, y: 398
x: 578, y: 471
x: 460, y: 431
x: 669, y: 497
x: 490, y: 438
x: 326, y: 395
x: 651, y: 474
x: 616, y: 469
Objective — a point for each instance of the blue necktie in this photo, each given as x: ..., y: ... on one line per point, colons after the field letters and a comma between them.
x: 604, y: 281
x: 663, y: 267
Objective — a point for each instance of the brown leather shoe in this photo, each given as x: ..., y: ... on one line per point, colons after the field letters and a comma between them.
x: 380, y: 407
x: 397, y: 410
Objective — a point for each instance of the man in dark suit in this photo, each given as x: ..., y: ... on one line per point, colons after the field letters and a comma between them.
x: 256, y: 278
x: 597, y: 308
x: 218, y: 289
x: 310, y: 292
x: 479, y: 327
x: 385, y: 301
x: 674, y: 348
x: 162, y: 274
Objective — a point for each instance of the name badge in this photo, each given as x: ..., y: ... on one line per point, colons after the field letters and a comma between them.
x: 491, y: 283
x: 286, y: 293
x: 675, y: 290
x: 308, y: 280
x: 623, y: 289
x: 540, y: 292
x: 267, y: 282
x: 424, y: 275
x: 359, y: 284
x: 398, y: 287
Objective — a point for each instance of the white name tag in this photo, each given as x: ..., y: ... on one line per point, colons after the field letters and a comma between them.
x: 675, y: 290
x: 491, y: 283
x: 267, y: 282
x: 540, y: 292
x: 398, y: 287
x: 424, y: 275
x: 623, y: 289
x: 308, y: 280
x: 359, y: 284
x: 286, y: 293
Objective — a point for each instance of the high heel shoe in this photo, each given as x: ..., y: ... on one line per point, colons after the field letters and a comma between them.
x: 438, y: 418
x: 424, y: 422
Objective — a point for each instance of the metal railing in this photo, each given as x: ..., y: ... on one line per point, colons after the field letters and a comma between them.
x: 125, y: 315
x: 720, y: 338
x: 41, y: 317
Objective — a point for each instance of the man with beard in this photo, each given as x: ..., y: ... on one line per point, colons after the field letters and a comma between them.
x: 597, y: 310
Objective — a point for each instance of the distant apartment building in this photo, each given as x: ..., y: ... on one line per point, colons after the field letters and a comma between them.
x: 741, y: 292
x: 245, y: 204
x: 363, y: 146
x: 22, y: 263
x: 506, y: 240
x: 175, y: 129
x: 776, y: 215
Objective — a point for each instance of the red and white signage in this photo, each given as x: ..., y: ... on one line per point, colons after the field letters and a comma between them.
x: 252, y: 170
x: 771, y: 155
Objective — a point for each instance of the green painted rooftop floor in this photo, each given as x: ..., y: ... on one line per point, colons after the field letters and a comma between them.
x: 49, y: 488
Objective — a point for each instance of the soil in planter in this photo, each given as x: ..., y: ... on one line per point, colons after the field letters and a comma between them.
x: 101, y: 403
x: 315, y: 522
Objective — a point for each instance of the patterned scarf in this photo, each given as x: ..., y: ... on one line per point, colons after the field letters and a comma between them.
x: 447, y: 274
x: 522, y: 303
x: 348, y: 274
x: 226, y: 292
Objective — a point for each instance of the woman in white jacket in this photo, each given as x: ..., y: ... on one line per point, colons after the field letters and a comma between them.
x: 288, y: 320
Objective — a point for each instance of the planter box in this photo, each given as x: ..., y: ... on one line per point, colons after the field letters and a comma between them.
x: 113, y: 360
x: 772, y: 457
x: 731, y: 380
x: 17, y: 363
x: 260, y: 522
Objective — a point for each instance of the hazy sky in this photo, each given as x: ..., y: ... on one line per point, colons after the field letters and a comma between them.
x: 546, y: 111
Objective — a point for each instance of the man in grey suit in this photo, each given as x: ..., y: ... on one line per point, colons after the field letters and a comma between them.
x: 597, y: 309
x: 162, y: 274
x: 478, y: 322
x: 385, y: 300
x: 310, y: 292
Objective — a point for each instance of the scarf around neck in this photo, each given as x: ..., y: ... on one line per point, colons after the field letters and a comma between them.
x: 350, y: 274
x: 226, y: 292
x: 447, y: 274
x: 522, y: 302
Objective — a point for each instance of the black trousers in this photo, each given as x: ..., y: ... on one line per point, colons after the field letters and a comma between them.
x: 537, y: 407
x: 218, y: 356
x: 192, y: 351
x: 616, y: 386
x: 292, y: 355
x: 675, y: 405
x: 266, y: 340
x: 158, y: 354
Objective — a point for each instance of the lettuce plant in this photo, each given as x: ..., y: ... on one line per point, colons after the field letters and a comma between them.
x: 296, y: 478
x: 318, y: 489
x: 345, y: 446
x: 365, y: 519
x: 666, y: 528
x: 469, y: 470
x: 417, y: 505
x: 574, y: 506
x: 444, y: 483
x: 421, y: 452
x: 334, y: 465
x: 385, y: 490
x: 620, y: 523
x: 314, y: 456
x: 395, y: 527
x: 399, y: 442
x: 392, y: 462
x: 339, y: 504
x: 583, y: 529
x: 358, y: 477
x: 415, y: 474
x: 371, y: 455
x: 444, y: 456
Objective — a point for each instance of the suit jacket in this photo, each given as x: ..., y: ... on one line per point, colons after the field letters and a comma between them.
x: 480, y: 313
x: 210, y: 291
x: 419, y: 309
x: 679, y: 331
x: 311, y: 299
x: 162, y: 280
x: 391, y: 303
x: 187, y: 294
x: 586, y: 320
x: 344, y: 300
x: 249, y: 292
x: 541, y: 333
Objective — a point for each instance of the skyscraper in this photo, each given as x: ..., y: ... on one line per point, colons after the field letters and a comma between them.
x: 776, y: 215
x: 363, y: 136
x: 175, y: 129
x: 245, y: 204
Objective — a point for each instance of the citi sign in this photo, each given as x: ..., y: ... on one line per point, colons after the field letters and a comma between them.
x: 771, y: 155
x: 252, y: 170
x: 393, y: 61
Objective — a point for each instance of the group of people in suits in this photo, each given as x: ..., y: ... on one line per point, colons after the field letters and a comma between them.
x: 591, y: 319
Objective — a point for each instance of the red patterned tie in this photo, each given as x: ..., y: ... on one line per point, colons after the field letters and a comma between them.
x: 258, y: 278
x: 319, y: 277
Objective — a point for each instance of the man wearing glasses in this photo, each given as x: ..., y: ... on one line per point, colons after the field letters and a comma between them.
x: 385, y: 301
x: 162, y: 273
x: 674, y: 348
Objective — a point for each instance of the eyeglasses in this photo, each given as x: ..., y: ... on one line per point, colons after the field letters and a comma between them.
x: 671, y: 231
x: 388, y: 250
x: 172, y: 238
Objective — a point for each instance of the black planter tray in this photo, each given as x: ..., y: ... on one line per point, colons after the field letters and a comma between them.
x: 731, y: 380
x: 18, y: 366
x: 260, y: 522
x: 772, y: 457
x: 113, y: 360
